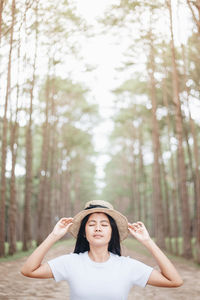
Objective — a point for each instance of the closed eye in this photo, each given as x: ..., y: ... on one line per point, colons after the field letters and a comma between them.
x: 104, y: 225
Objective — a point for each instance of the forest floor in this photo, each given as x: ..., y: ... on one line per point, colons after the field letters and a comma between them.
x: 14, y: 286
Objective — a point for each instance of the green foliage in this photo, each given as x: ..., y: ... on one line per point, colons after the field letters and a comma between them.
x: 133, y: 86
x: 20, y: 254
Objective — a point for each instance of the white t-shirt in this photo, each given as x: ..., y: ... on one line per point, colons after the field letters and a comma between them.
x: 89, y: 280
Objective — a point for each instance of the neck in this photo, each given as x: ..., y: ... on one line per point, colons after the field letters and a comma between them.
x: 99, y: 254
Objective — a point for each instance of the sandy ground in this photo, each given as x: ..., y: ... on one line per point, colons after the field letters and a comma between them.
x: 14, y: 286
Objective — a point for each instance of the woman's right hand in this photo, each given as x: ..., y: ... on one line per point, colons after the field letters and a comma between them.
x: 61, y: 227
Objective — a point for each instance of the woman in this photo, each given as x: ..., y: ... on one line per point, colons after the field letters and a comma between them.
x: 96, y: 270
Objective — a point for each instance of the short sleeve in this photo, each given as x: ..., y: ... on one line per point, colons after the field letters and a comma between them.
x: 60, y: 267
x: 139, y: 272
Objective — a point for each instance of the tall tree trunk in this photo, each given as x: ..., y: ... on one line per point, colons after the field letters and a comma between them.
x: 1, y: 12
x: 157, y: 194
x: 167, y: 207
x: 13, y: 145
x: 77, y: 203
x: 134, y: 207
x: 187, y: 250
x: 28, y: 187
x: 27, y: 236
x: 132, y: 203
x: 44, y: 169
x: 13, y: 205
x: 196, y: 169
x: 68, y: 210
x: 4, y: 141
x: 52, y: 164
x: 62, y: 195
x: 174, y: 184
x: 143, y: 179
x: 135, y: 179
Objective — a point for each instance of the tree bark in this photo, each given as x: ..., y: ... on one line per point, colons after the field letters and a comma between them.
x: 186, y: 224
x: 14, y: 146
x: 174, y: 184
x: 167, y: 207
x: 52, y: 165
x: 44, y: 169
x: 68, y: 210
x: 143, y: 180
x: 196, y: 168
x: 157, y: 194
x: 27, y: 235
x: 135, y: 179
x: 4, y: 141
x: 1, y: 12
x: 13, y: 205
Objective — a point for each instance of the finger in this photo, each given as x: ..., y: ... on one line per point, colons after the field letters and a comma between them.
x: 140, y: 223
x: 133, y: 232
x: 131, y: 225
x: 134, y: 224
x: 64, y: 223
x: 69, y: 220
x: 64, y: 220
x: 67, y: 223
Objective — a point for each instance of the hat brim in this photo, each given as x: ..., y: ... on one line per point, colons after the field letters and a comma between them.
x: 121, y: 221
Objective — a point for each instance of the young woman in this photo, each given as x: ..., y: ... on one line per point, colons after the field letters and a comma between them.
x: 96, y: 270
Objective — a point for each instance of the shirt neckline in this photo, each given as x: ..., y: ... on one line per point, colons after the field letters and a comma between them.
x: 94, y: 263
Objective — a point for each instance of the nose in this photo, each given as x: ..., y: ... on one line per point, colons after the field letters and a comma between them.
x: 98, y: 227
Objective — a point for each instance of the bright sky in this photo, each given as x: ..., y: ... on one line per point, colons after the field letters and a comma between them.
x: 102, y: 52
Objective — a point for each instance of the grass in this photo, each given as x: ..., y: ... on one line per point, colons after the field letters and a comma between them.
x: 180, y: 245
x: 130, y: 243
x: 134, y: 245
x: 19, y: 254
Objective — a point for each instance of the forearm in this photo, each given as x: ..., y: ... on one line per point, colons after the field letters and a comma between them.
x: 35, y: 259
x: 166, y: 267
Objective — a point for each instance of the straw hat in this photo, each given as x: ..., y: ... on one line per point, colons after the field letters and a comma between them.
x: 121, y: 220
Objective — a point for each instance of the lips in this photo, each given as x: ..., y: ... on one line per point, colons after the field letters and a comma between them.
x: 97, y: 236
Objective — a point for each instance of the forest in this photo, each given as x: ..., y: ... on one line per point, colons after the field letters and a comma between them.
x: 48, y: 116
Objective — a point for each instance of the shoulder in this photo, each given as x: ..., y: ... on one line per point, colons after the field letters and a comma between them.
x: 128, y: 261
x: 68, y: 258
x: 125, y: 259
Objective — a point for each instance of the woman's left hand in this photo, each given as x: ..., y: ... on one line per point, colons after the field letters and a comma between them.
x: 139, y: 231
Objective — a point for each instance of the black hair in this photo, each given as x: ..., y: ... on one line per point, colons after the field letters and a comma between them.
x: 82, y: 244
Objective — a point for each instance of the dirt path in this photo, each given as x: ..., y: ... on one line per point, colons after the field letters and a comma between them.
x: 14, y: 286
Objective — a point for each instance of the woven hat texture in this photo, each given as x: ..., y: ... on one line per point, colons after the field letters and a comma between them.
x: 120, y: 219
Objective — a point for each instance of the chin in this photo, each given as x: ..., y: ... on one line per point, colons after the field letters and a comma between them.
x: 98, y: 243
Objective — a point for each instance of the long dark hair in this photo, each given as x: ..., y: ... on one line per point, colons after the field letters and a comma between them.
x: 82, y: 244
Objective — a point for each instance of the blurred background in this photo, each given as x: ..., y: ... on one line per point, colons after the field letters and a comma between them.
x: 100, y: 100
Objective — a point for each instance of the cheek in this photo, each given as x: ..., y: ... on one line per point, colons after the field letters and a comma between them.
x: 88, y: 230
x: 109, y: 233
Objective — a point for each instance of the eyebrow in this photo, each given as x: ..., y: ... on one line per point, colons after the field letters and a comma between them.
x: 100, y: 221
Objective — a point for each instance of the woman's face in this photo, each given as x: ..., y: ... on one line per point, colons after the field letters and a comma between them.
x: 98, y: 229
